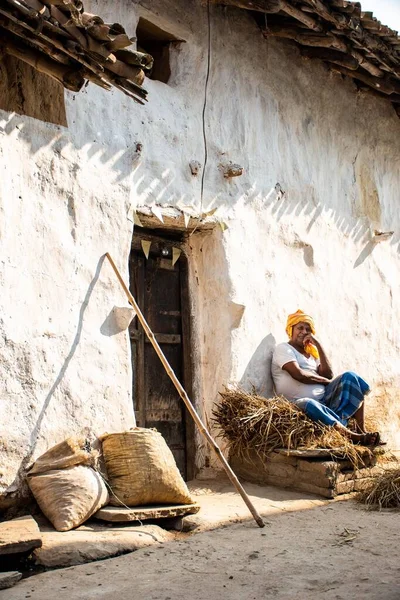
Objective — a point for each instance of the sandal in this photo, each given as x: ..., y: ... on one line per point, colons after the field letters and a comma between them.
x: 371, y: 439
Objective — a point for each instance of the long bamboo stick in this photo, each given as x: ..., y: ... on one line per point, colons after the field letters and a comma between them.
x: 186, y: 399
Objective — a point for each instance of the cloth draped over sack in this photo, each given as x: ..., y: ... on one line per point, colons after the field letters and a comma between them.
x: 142, y: 470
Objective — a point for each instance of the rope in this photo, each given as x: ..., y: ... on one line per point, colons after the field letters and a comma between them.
x: 111, y: 491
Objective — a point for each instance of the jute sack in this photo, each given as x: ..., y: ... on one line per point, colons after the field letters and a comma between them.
x: 68, y: 497
x: 70, y: 452
x: 142, y: 470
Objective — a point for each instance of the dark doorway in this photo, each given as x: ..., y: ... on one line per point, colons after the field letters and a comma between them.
x: 161, y: 290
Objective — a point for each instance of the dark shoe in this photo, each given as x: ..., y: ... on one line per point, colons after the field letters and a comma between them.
x: 372, y: 439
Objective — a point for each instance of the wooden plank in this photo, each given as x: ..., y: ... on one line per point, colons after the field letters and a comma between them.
x: 264, y: 6
x: 187, y: 368
x: 157, y: 242
x: 163, y: 297
x: 140, y: 371
x: 117, y: 514
x: 19, y: 535
x: 166, y: 338
x: 301, y: 16
x: 317, y: 453
x: 134, y: 335
x: 385, y: 85
x: 164, y: 409
x: 333, y: 56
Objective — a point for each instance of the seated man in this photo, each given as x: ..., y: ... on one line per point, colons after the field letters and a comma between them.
x: 302, y: 374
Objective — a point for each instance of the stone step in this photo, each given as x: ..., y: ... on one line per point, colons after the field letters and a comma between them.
x: 19, y: 535
x: 119, y: 514
x: 9, y: 578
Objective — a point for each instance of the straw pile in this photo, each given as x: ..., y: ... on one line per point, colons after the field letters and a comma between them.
x: 383, y: 492
x: 251, y: 422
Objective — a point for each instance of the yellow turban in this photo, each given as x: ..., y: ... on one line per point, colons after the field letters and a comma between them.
x: 300, y: 317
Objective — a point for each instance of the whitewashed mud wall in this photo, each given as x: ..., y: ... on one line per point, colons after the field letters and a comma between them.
x: 67, y: 193
x: 64, y: 198
x: 321, y: 172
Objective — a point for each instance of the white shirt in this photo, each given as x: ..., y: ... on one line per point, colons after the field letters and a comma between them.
x: 284, y: 383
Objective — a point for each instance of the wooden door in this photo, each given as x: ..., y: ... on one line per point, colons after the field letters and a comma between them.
x: 159, y: 289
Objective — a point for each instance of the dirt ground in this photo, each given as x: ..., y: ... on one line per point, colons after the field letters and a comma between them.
x: 309, y: 549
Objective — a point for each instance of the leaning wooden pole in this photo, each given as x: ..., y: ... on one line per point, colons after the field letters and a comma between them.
x: 185, y: 398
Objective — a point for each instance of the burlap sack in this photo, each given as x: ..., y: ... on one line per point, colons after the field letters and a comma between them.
x: 68, y: 497
x: 70, y: 452
x: 142, y: 470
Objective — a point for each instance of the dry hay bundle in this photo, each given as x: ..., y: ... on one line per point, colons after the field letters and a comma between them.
x: 251, y: 422
x: 383, y: 491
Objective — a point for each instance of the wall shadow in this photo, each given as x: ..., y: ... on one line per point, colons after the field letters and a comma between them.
x: 175, y: 185
x: 55, y: 139
x: 75, y: 342
x: 257, y: 374
x: 364, y: 254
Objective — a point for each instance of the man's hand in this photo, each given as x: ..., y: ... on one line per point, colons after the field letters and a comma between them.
x: 324, y: 367
x: 303, y: 375
x: 310, y: 339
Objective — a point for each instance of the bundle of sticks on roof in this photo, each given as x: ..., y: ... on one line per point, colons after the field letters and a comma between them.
x: 62, y: 40
x: 383, y: 491
x: 250, y: 422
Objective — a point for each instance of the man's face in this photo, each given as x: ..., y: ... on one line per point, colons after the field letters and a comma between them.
x: 299, y: 332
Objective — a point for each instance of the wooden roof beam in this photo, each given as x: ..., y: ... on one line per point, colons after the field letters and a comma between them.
x: 340, y: 22
x: 43, y: 10
x: 369, y: 44
x: 386, y: 85
x: 35, y: 41
x: 301, y: 16
x: 338, y: 19
x: 67, y: 75
x: 305, y: 38
x: 325, y: 41
x: 323, y: 11
x: 394, y: 98
x: 333, y: 56
x: 97, y: 69
x: 264, y: 6
x: 346, y: 5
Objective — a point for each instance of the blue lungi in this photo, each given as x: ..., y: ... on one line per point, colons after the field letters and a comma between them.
x: 342, y: 398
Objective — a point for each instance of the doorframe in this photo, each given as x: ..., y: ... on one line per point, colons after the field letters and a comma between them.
x: 177, y: 239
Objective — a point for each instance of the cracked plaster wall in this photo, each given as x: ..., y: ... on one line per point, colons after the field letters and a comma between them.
x: 66, y: 194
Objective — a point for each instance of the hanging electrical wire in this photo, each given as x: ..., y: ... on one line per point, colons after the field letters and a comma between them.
x: 205, y: 105
x: 203, y: 115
